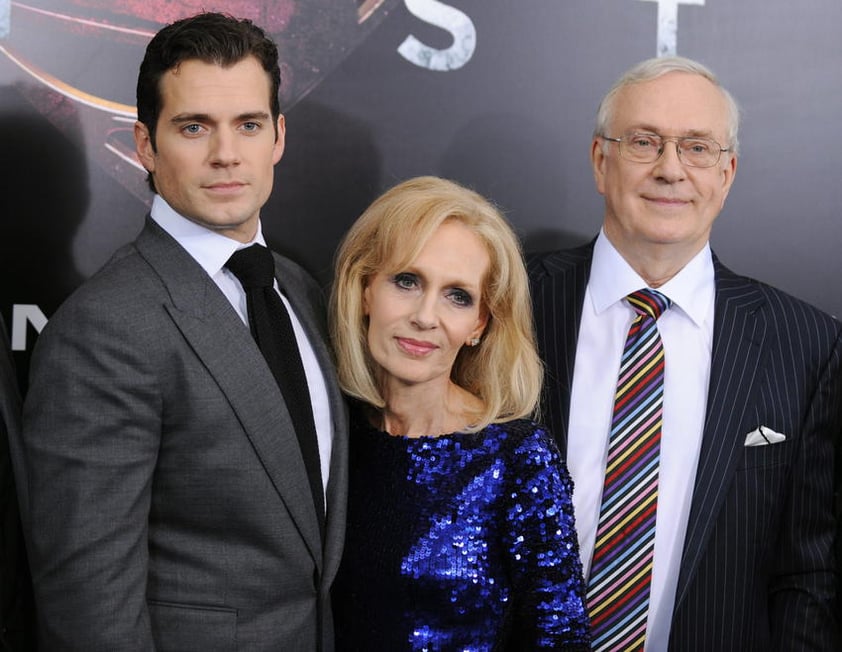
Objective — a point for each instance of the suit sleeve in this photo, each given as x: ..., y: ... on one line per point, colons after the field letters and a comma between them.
x: 92, y: 424
x: 549, y: 594
x: 802, y: 611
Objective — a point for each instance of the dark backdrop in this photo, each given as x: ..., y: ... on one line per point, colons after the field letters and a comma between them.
x: 497, y: 94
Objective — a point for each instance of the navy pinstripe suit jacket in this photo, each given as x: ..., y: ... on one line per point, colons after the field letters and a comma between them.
x: 757, y: 570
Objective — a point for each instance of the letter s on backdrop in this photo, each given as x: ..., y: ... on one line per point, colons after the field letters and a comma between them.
x: 460, y: 26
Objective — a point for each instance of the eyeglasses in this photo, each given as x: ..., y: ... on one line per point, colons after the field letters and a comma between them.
x: 647, y: 148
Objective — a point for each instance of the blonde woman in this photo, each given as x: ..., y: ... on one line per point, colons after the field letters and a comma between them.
x: 460, y: 522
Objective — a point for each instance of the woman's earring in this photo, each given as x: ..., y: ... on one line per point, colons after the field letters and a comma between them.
x: 473, y: 341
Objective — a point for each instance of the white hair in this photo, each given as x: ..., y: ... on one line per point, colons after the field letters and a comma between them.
x: 652, y: 69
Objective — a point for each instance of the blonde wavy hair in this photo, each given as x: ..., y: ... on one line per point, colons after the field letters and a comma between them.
x: 504, y: 370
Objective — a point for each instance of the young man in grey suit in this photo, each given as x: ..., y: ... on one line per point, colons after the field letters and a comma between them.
x: 737, y: 550
x: 169, y: 505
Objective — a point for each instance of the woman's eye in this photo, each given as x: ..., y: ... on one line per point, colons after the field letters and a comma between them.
x: 405, y: 281
x: 461, y: 298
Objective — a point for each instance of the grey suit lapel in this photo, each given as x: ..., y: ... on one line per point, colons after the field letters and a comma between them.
x: 738, y: 344
x: 219, y: 338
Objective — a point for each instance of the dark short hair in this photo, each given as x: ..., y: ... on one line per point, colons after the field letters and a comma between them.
x: 209, y: 37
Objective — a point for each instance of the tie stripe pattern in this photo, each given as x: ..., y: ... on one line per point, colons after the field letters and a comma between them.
x: 621, y: 570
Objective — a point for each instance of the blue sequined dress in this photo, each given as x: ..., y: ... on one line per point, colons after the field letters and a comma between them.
x: 459, y: 542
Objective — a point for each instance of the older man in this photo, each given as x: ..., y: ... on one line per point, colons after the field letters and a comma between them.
x: 712, y: 526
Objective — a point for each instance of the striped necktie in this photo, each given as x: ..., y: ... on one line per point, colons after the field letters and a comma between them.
x: 621, y: 570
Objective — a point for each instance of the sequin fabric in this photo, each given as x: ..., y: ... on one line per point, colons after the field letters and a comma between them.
x: 461, y: 542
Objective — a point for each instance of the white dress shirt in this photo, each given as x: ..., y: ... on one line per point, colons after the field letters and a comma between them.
x: 687, y: 334
x: 212, y: 250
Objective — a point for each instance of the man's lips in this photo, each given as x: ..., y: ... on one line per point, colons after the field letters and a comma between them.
x: 415, y: 347
x: 666, y: 201
x: 224, y: 187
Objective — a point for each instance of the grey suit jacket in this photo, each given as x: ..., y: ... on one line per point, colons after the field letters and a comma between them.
x: 168, y: 505
x: 757, y: 570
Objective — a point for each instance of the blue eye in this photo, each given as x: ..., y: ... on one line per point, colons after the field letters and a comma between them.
x: 251, y: 126
x: 192, y: 129
x: 461, y: 298
x: 696, y: 146
x: 405, y: 281
x: 643, y: 142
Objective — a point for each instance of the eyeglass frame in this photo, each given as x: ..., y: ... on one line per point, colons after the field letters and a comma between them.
x: 664, y: 141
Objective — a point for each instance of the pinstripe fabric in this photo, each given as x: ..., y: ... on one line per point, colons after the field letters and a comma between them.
x: 621, y: 573
x: 757, y: 569
x: 558, y: 281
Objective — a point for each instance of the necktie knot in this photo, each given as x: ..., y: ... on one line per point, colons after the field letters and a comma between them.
x: 648, y: 303
x: 254, y: 267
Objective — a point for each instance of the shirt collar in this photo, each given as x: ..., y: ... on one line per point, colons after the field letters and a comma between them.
x: 208, y: 248
x: 612, y: 279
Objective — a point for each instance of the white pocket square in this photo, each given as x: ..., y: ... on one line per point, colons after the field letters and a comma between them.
x: 763, y: 436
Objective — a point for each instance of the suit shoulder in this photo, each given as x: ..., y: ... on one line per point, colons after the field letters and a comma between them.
x: 121, y: 290
x: 789, y: 315
x: 125, y: 269
x: 553, y: 263
x: 797, y: 317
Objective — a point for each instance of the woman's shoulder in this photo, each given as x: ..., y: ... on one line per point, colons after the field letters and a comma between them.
x: 530, y: 448
x: 524, y: 433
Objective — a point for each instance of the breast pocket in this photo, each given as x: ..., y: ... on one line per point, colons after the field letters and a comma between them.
x: 767, y: 455
x: 193, y: 628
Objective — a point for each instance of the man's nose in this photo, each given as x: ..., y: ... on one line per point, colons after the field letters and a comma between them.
x: 224, y: 150
x: 668, y: 165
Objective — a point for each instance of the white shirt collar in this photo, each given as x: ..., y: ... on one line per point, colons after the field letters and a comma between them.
x: 208, y: 248
x: 612, y: 278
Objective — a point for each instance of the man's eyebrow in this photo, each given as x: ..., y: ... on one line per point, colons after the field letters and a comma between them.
x: 689, y: 133
x: 253, y: 115
x: 698, y: 133
x: 183, y: 118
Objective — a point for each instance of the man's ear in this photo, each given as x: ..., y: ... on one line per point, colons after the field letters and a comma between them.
x: 280, y: 140
x: 728, y: 174
x: 598, y: 159
x: 143, y: 146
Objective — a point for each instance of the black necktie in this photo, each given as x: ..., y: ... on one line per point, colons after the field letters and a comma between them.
x: 271, y: 327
